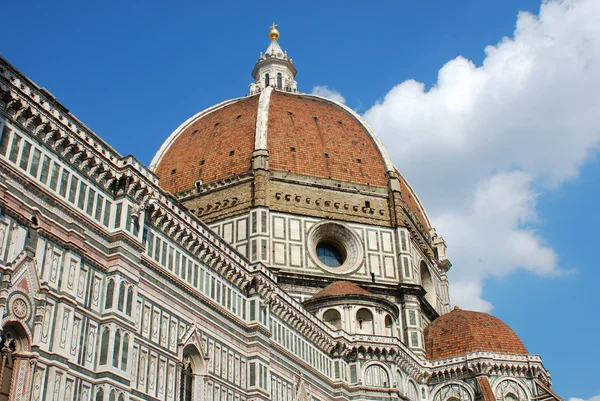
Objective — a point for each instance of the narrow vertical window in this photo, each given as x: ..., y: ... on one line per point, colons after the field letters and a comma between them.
x: 121, y: 301
x: 118, y: 215
x: 267, y: 80
x: 73, y: 189
x: 54, y: 176
x: 104, y: 347
x: 35, y: 163
x: 125, y: 352
x: 14, y: 148
x: 100, y: 395
x: 110, y: 290
x: 107, y: 207
x: 82, y: 193
x: 116, y: 348
x: 99, y: 204
x: 45, y: 170
x: 4, y: 140
x: 129, y: 300
x: 25, y: 156
x: 185, y: 393
x: 64, y: 182
x: 279, y: 81
x: 90, y: 201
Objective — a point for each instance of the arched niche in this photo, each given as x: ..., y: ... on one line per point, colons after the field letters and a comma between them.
x: 427, y: 283
x: 364, y: 321
x: 388, y: 326
x: 333, y: 318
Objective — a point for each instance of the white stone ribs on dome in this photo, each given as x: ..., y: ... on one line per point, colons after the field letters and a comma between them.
x: 418, y: 201
x: 262, y: 119
x: 175, y: 134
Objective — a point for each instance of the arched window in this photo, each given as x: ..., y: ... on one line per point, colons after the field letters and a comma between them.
x: 110, y: 292
x: 427, y: 283
x: 185, y: 389
x: 267, y: 80
x: 389, y: 326
x: 376, y: 376
x: 364, y: 321
x: 125, y: 352
x: 121, y: 296
x: 15, y: 369
x: 279, y: 81
x: 191, y: 388
x: 129, y: 300
x: 333, y: 318
x: 113, y: 396
x: 104, y: 347
x: 121, y: 397
x: 100, y: 395
x: 413, y: 394
x: 116, y: 348
x: 399, y: 381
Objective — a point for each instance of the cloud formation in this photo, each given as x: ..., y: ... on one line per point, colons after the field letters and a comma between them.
x: 484, y: 142
x: 594, y: 398
x: 326, y: 91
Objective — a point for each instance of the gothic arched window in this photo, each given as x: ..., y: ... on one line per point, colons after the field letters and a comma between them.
x: 279, y: 81
x: 125, y: 352
x: 116, y: 348
x: 113, y: 396
x: 110, y: 292
x: 100, y: 395
x: 267, y: 81
x: 376, y: 376
x: 129, y: 300
x: 104, y: 347
x: 121, y: 296
x: 185, y: 390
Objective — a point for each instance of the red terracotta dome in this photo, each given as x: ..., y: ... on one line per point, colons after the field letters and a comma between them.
x: 305, y: 135
x: 338, y: 288
x: 460, y: 332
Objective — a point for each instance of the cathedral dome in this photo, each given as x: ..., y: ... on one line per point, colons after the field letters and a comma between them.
x: 297, y: 138
x: 303, y: 134
x: 460, y: 332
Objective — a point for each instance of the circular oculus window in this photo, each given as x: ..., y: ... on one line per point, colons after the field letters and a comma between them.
x: 335, y: 248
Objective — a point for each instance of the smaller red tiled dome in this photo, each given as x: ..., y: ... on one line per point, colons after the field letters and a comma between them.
x: 341, y: 288
x: 460, y: 332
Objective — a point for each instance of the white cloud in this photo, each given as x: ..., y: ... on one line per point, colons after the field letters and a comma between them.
x: 485, y: 141
x: 595, y: 398
x: 326, y: 91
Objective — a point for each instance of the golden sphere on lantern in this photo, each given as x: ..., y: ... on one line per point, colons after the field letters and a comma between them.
x: 274, y: 33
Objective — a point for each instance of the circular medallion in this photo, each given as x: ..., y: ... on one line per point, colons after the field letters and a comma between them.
x: 19, y: 308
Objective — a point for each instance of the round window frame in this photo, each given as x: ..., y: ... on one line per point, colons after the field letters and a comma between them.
x: 340, y: 236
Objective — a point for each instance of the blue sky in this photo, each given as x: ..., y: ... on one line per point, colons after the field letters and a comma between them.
x: 133, y: 71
